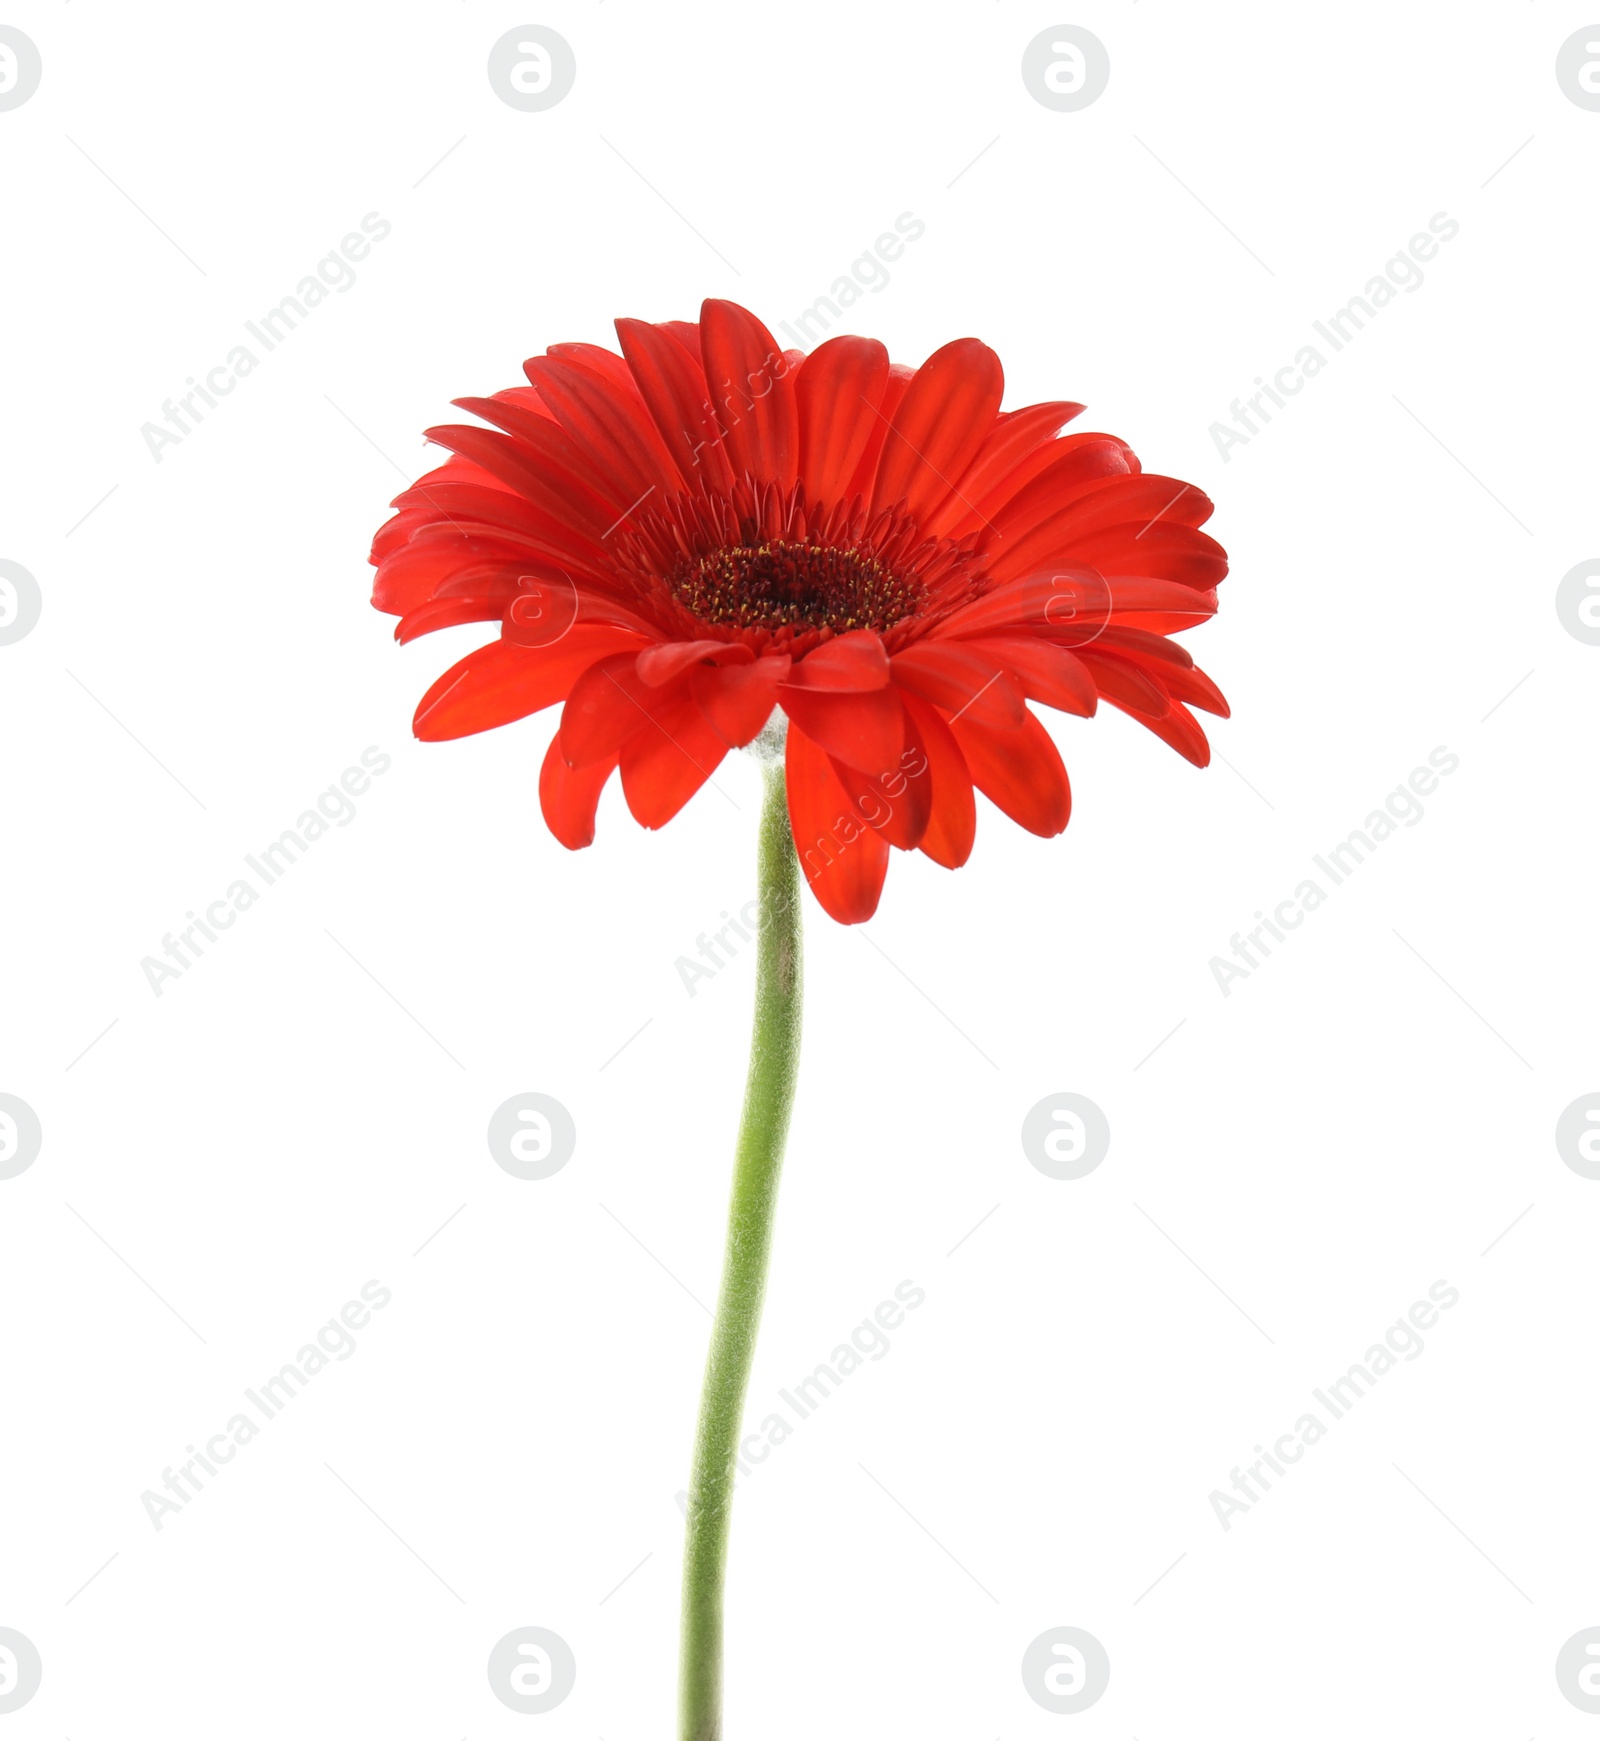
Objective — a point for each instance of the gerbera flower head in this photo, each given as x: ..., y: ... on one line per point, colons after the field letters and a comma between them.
x: 707, y: 540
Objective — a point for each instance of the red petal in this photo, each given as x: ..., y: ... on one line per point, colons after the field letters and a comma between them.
x: 501, y: 682
x: 659, y: 665
x: 739, y: 699
x: 748, y: 380
x: 467, y: 505
x: 573, y: 488
x: 1072, y: 601
x: 436, y: 560
x: 855, y: 661
x: 1074, y: 605
x: 1047, y: 673
x: 962, y: 679
x: 1051, y: 538
x: 1167, y: 665
x: 1198, y: 690
x: 674, y: 388
x: 1143, y: 500
x: 446, y: 613
x: 543, y: 608
x: 1177, y: 727
x: 953, y: 818
x: 987, y: 508
x: 569, y: 796
x: 561, y: 494
x: 1181, y: 607
x: 897, y: 803
x: 393, y: 533
x: 941, y: 423
x: 1124, y: 683
x: 836, y: 391
x: 867, y: 730
x: 613, y: 429
x: 598, y: 361
x: 842, y: 859
x: 456, y: 470
x: 1076, y: 461
x: 520, y: 412
x: 667, y: 761
x: 1020, y: 771
x: 1009, y: 442
x: 1156, y: 651
x: 1161, y: 552
x: 882, y: 417
x: 609, y: 702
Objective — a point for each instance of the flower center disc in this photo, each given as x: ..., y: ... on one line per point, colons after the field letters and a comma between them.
x: 783, y: 583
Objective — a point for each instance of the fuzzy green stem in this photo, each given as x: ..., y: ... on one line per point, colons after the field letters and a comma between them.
x: 763, y: 1130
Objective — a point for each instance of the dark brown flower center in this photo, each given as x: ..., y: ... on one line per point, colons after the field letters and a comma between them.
x: 785, y: 583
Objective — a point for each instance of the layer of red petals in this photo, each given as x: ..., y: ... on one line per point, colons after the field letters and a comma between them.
x: 1022, y: 567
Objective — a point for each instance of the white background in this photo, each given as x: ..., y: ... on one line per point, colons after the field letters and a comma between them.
x: 1324, y: 1143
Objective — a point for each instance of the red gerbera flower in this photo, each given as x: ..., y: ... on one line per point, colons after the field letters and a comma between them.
x: 682, y: 540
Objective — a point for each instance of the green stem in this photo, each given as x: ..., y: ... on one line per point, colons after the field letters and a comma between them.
x: 763, y: 1129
